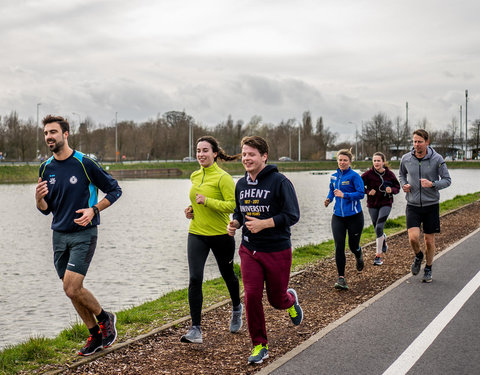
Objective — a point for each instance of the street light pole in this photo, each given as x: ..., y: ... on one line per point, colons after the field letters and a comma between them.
x: 466, y: 123
x: 116, y: 138
x: 299, y: 145
x: 38, y: 125
x: 79, y: 132
x: 356, y: 139
x: 461, y: 139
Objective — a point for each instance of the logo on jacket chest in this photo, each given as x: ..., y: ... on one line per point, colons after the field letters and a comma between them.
x: 73, y: 180
x: 254, y: 193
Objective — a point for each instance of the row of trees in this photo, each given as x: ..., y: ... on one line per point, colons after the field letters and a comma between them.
x: 167, y: 137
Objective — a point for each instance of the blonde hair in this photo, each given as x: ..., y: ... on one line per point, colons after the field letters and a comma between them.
x: 347, y: 152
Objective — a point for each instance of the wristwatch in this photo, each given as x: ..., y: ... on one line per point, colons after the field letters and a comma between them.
x: 433, y: 184
x: 95, y: 210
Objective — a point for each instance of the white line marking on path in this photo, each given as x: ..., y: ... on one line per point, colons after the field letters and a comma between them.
x: 416, y: 349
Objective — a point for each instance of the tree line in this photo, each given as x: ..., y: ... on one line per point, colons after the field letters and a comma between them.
x: 169, y: 137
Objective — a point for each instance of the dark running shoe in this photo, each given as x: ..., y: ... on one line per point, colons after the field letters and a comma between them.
x: 295, y: 311
x: 377, y: 261
x: 416, y: 266
x: 360, y: 263
x: 384, y: 246
x: 93, y: 344
x: 109, y: 331
x: 427, y: 276
x: 341, y: 284
x: 194, y: 335
x: 259, y: 353
x: 236, y: 320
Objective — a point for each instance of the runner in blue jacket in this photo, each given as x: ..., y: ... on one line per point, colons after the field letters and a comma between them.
x: 347, y: 187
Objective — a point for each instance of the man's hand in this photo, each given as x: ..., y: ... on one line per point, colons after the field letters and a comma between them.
x: 426, y: 183
x: 86, y: 218
x: 232, y: 227
x: 255, y: 225
x: 40, y: 192
x: 406, y: 188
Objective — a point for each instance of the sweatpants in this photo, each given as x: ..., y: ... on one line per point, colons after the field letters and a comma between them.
x: 340, y: 226
x: 273, y: 270
x: 223, y: 248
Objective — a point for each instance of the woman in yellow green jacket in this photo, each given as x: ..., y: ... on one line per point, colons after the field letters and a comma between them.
x: 212, y: 198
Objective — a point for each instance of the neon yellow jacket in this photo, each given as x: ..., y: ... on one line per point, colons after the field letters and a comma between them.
x: 212, y: 218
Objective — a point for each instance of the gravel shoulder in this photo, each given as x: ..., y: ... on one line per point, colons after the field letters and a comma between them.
x: 226, y: 353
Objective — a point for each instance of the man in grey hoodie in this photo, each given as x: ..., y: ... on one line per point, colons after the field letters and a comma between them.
x: 423, y: 173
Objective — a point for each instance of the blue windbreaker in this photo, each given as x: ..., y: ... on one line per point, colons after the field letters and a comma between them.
x: 353, y: 188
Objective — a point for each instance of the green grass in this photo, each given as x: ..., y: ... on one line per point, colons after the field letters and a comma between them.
x: 29, y: 173
x: 39, y: 351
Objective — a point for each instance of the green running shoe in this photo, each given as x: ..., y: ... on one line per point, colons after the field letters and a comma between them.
x: 295, y: 312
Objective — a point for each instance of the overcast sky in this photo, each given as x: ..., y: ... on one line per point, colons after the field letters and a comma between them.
x: 344, y: 60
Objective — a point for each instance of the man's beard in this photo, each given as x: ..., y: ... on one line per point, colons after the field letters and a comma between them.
x: 57, y: 146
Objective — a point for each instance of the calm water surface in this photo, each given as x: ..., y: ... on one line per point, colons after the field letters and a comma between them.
x: 141, y: 253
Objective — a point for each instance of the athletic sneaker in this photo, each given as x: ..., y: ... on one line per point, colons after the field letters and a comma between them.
x: 416, y: 266
x: 194, y: 335
x: 360, y: 263
x: 341, y: 284
x: 377, y: 261
x: 93, y: 344
x: 236, y: 320
x: 109, y: 331
x: 295, y: 312
x: 259, y: 353
x: 384, y: 246
x: 427, y: 276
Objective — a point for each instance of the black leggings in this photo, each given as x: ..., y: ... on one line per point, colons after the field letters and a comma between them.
x: 379, y: 217
x: 340, y: 226
x: 223, y: 248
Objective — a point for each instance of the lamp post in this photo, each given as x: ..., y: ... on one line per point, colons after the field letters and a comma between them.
x: 190, y: 140
x: 466, y: 123
x: 79, y: 132
x: 116, y: 138
x: 356, y: 139
x: 38, y: 125
x: 299, y: 144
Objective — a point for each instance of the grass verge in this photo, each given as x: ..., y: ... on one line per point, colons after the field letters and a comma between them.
x: 29, y: 173
x: 40, y: 352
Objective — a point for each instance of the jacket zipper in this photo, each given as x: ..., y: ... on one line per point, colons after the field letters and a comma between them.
x: 420, y: 177
x: 341, y: 199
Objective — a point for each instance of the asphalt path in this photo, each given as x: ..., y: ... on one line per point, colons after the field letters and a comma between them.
x: 412, y: 327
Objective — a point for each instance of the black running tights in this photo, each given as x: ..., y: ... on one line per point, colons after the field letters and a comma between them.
x: 223, y: 248
x: 340, y: 226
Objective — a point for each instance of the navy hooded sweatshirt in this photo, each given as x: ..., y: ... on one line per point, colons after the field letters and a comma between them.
x: 271, y: 195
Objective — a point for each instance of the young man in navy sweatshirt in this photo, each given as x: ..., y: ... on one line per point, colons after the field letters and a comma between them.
x: 266, y: 207
x: 67, y: 187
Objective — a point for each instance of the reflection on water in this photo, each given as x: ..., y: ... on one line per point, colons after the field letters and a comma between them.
x: 141, y: 253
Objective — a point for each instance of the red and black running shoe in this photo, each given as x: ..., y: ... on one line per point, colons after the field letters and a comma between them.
x: 109, y: 331
x: 93, y: 344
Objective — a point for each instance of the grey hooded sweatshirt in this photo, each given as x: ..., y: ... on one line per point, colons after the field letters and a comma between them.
x: 433, y: 168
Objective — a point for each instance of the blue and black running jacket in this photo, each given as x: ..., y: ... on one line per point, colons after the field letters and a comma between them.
x: 353, y: 188
x: 73, y: 184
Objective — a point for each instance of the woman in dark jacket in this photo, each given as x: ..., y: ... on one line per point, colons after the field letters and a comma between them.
x: 380, y: 185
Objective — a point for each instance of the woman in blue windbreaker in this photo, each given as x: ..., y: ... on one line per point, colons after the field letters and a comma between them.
x: 348, y: 188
